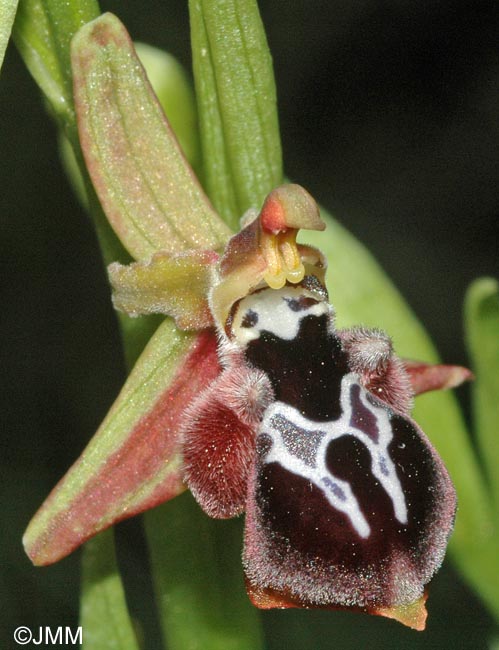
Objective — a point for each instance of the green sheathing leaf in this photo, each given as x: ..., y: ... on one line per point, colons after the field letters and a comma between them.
x: 199, y: 579
x: 146, y: 187
x: 237, y: 105
x: 43, y: 31
x: 103, y: 615
x: 7, y: 15
x: 482, y: 329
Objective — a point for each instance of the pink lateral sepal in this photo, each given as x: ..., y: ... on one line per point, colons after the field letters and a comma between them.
x: 127, y: 482
x: 426, y: 376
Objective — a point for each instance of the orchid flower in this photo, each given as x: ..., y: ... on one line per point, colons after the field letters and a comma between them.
x: 252, y: 398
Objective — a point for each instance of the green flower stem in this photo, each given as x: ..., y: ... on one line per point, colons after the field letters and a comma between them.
x: 197, y: 571
x: 103, y: 616
x: 237, y: 105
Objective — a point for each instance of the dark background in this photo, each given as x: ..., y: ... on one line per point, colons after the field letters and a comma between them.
x: 389, y: 117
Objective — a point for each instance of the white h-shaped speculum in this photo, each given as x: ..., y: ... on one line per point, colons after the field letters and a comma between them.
x: 290, y: 431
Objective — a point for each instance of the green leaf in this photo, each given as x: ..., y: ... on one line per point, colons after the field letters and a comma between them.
x: 199, y: 582
x: 147, y: 189
x: 7, y: 15
x: 43, y: 30
x: 482, y: 329
x: 237, y: 105
x: 104, y: 616
x: 494, y: 642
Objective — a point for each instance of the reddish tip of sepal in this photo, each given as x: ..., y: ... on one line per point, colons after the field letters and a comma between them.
x: 425, y: 376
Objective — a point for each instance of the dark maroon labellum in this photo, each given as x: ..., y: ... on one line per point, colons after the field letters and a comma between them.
x: 348, y: 504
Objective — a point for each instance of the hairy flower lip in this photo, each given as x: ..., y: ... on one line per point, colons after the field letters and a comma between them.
x: 264, y: 251
x: 241, y: 269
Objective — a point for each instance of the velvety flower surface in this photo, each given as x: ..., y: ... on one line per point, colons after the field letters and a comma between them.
x: 255, y: 401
